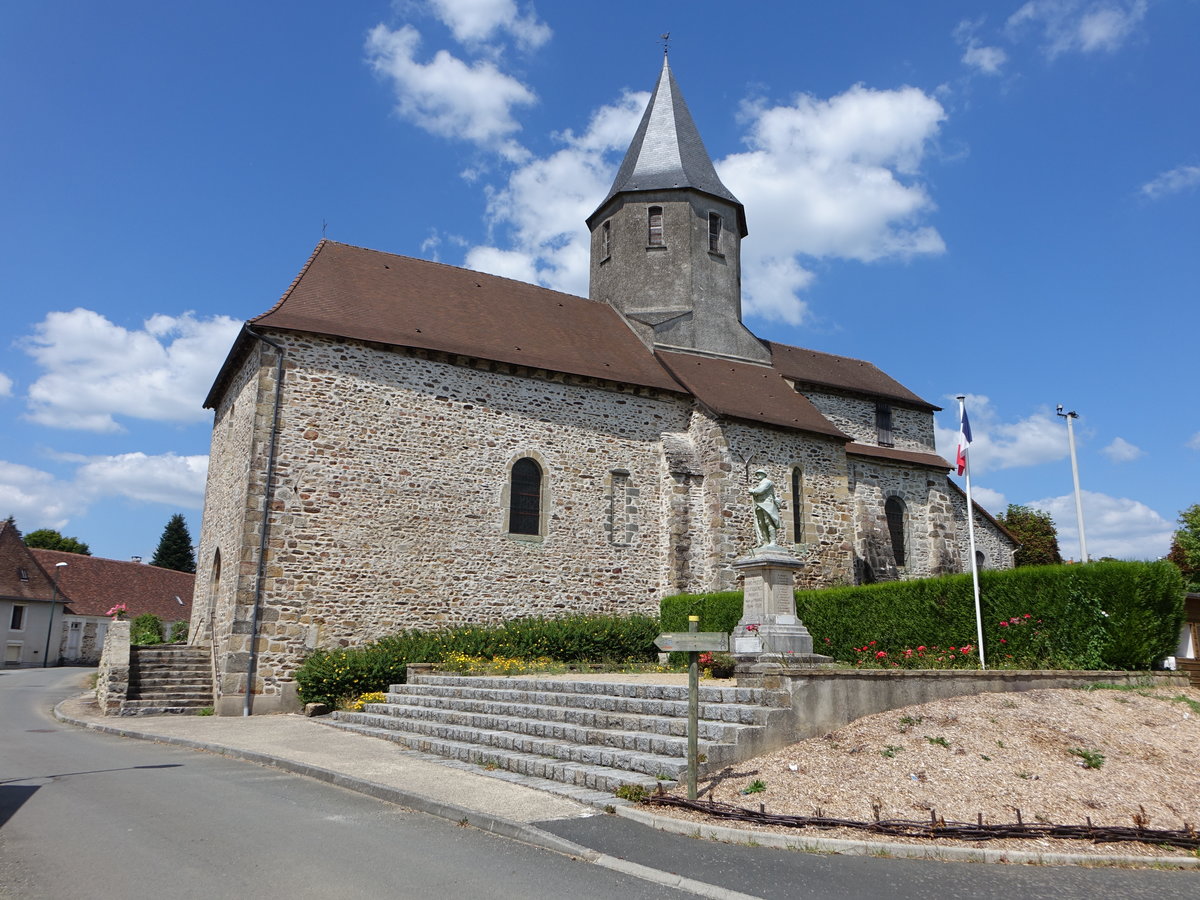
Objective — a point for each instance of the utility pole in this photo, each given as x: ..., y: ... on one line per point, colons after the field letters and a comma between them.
x: 1070, y: 417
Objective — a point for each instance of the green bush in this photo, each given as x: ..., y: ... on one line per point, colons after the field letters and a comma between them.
x: 1119, y: 615
x: 179, y: 633
x: 332, y: 675
x: 146, y: 629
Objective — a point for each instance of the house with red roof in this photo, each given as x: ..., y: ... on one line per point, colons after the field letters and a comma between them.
x: 92, y: 586
x: 31, y: 605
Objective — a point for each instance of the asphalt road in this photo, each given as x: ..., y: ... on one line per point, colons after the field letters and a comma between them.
x: 86, y: 815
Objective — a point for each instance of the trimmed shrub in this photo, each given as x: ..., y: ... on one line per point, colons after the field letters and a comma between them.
x: 146, y: 629
x: 179, y: 633
x: 1118, y: 615
x: 332, y: 675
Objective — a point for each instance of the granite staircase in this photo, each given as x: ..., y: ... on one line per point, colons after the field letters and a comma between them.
x: 168, y: 679
x: 587, y: 738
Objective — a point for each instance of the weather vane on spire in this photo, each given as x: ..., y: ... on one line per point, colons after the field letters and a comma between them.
x: 665, y: 37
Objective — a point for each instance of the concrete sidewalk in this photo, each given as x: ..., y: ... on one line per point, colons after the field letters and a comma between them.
x: 499, y: 802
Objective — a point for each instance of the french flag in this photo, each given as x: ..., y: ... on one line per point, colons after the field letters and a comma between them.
x: 964, y: 441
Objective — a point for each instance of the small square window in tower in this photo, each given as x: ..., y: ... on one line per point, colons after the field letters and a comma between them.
x: 714, y: 233
x: 883, y: 424
x: 654, y: 237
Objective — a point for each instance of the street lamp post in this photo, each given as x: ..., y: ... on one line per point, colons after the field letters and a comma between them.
x: 1070, y: 417
x: 58, y: 567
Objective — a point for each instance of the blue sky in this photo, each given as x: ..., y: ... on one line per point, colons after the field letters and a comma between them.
x: 997, y: 199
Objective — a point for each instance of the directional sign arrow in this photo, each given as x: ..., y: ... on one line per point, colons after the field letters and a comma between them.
x: 693, y: 641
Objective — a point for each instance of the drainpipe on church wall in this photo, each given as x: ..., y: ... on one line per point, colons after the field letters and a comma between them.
x: 268, y: 489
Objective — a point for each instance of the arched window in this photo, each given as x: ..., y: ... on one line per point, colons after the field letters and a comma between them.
x: 714, y: 233
x: 980, y: 560
x: 525, y: 498
x: 797, y: 505
x: 606, y: 240
x: 894, y: 510
x: 654, y: 237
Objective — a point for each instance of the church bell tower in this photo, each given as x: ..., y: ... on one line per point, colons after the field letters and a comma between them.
x: 666, y: 241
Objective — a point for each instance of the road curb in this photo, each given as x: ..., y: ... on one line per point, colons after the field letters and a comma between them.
x: 728, y: 835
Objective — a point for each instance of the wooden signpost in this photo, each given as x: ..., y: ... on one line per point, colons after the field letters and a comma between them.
x: 693, y: 643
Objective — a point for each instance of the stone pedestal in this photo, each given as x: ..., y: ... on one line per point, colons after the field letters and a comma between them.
x: 769, y: 629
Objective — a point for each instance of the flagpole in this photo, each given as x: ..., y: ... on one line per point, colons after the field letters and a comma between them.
x: 962, y: 411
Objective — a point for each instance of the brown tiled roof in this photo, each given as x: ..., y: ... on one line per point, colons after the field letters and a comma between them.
x: 747, y: 391
x: 371, y: 296
x: 15, y: 557
x: 907, y: 456
x: 841, y: 373
x: 358, y: 294
x: 94, y: 585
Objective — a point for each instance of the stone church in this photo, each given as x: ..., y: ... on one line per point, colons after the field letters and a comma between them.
x: 399, y: 443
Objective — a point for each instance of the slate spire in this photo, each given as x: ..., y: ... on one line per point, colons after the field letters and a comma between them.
x: 667, y: 152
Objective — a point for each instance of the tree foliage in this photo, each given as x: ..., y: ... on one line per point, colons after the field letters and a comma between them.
x: 1036, y: 532
x: 175, y: 547
x: 1185, y: 546
x: 49, y: 539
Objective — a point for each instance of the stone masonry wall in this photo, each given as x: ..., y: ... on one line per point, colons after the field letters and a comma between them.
x: 912, y: 429
x: 996, y: 546
x: 930, y: 530
x: 388, y: 509
x: 232, y: 514
x: 112, y: 680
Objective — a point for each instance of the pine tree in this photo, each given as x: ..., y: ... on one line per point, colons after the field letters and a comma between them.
x: 175, y: 547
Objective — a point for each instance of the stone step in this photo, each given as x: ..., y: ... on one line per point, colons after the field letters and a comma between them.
x: 731, y: 712
x: 203, y: 697
x: 645, y: 761
x: 419, y: 705
x: 708, y: 693
x: 593, y: 777
x: 447, y: 723
x: 144, y: 703
x: 169, y: 680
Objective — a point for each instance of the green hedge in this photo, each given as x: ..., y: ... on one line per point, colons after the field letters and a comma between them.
x: 146, y: 629
x: 1120, y: 615
x: 331, y: 675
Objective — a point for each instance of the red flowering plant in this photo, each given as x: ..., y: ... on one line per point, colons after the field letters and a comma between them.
x: 933, y: 656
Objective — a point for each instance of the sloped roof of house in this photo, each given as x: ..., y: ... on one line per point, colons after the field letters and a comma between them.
x: 21, y: 575
x: 367, y: 295
x: 95, y: 585
x: 983, y: 512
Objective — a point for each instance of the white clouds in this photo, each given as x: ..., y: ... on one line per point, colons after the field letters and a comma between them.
x: 40, y: 500
x: 1073, y: 25
x: 1174, y: 181
x: 96, y: 370
x: 987, y: 60
x: 1115, y: 526
x: 36, y: 498
x: 545, y: 202
x: 1035, y: 439
x: 474, y: 22
x: 823, y: 179
x: 447, y: 96
x: 5, y: 385
x: 1120, y: 450
x: 993, y: 501
x: 1194, y: 441
x: 167, y: 478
